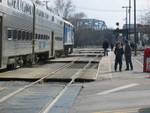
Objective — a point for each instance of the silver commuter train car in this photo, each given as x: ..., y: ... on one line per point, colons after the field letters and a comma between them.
x: 28, y: 32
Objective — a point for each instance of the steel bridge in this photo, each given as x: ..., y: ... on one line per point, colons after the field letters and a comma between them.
x: 92, y: 24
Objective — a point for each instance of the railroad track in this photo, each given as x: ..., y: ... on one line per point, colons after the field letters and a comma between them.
x: 50, y: 104
x: 55, y: 98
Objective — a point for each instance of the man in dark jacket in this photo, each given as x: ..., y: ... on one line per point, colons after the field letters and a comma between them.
x: 105, y: 46
x: 127, y: 53
x: 119, y: 53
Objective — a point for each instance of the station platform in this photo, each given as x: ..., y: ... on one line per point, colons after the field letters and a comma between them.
x: 107, y: 71
x: 115, y: 92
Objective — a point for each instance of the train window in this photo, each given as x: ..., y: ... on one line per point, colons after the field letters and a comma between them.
x: 9, y: 35
x: 45, y: 37
x: 30, y: 36
x: 27, y: 36
x: 15, y: 34
x: 38, y: 36
x: 52, y: 18
x: 17, y: 4
x: 10, y: 3
x: 40, y: 13
x: 59, y: 38
x: 48, y: 37
x: 21, y: 5
x: 46, y: 16
x: 14, y: 3
x: 27, y: 8
x: 42, y: 37
x: 61, y: 22
x: 19, y: 35
x: 23, y: 35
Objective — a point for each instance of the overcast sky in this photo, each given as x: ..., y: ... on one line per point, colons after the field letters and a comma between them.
x: 110, y: 11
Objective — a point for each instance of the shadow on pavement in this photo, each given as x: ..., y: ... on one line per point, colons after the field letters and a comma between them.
x: 144, y: 110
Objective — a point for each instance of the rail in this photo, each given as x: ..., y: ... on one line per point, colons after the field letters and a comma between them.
x: 50, y: 104
x: 33, y: 83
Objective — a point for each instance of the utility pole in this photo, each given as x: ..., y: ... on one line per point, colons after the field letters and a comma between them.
x: 129, y: 19
x: 126, y: 20
x: 135, y: 34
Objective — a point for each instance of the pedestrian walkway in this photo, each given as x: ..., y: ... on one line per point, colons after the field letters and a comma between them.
x: 107, y: 68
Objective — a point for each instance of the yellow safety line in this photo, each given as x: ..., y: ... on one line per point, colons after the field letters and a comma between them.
x: 121, y: 111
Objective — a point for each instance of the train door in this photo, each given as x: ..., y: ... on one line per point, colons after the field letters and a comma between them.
x: 1, y: 21
x: 52, y: 44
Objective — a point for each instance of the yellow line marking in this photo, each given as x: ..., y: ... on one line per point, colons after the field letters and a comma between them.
x: 121, y: 111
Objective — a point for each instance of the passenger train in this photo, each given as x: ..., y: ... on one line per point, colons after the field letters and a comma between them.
x: 29, y: 32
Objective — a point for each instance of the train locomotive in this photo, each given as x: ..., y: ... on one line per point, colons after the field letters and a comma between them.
x: 68, y: 39
x: 28, y: 32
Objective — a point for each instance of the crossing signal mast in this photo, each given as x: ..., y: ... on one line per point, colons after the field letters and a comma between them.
x: 117, y: 24
x: 117, y: 30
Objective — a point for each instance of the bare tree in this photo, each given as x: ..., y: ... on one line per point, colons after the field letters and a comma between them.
x: 145, y: 20
x: 76, y: 18
x: 79, y: 32
x: 38, y: 2
x: 64, y: 9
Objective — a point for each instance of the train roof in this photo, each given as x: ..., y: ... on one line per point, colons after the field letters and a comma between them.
x: 69, y: 23
x: 28, y: 1
x: 48, y: 11
x: 25, y: 1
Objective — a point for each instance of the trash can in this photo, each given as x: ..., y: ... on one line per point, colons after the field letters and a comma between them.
x: 146, y: 63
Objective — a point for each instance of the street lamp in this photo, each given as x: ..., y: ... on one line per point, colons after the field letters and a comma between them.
x: 126, y: 19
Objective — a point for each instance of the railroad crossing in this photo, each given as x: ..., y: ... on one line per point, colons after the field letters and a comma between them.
x: 108, y: 92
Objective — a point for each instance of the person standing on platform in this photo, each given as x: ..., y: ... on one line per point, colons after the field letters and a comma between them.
x: 127, y: 53
x: 105, y: 46
x: 112, y: 46
x: 119, y: 53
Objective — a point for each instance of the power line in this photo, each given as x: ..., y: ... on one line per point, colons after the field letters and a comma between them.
x: 106, y: 10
